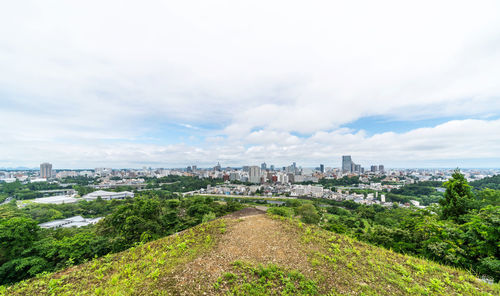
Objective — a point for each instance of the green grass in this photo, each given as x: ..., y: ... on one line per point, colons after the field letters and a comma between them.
x: 332, y: 264
x: 247, y: 279
x: 343, y: 265
x: 135, y: 271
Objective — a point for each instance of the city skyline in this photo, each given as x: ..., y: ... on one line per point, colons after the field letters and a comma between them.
x: 172, y: 84
x: 367, y: 167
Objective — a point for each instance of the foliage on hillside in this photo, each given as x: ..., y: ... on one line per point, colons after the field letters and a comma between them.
x: 361, y: 269
x: 488, y: 182
x: 424, y: 192
x: 173, y: 183
x: 330, y: 264
x: 471, y: 243
x: 27, y: 250
x: 136, y: 271
x: 25, y: 191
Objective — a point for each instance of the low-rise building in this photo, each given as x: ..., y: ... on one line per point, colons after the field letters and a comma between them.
x: 76, y: 221
x: 108, y: 195
x: 57, y: 199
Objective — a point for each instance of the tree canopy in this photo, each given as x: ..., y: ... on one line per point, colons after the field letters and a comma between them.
x: 458, y: 197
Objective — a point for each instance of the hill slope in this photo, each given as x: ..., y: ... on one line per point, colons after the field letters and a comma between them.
x: 250, y: 253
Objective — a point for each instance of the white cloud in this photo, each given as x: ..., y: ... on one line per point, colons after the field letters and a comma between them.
x: 93, y: 77
x: 450, y: 143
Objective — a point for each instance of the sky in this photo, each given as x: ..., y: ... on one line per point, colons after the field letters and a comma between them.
x: 127, y: 84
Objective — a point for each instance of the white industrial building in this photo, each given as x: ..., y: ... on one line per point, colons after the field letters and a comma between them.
x: 57, y: 199
x: 108, y: 195
x: 76, y: 221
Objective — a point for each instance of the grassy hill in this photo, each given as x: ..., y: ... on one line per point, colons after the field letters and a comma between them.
x: 251, y: 253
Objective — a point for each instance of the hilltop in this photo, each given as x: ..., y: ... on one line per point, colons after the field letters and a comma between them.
x: 252, y: 253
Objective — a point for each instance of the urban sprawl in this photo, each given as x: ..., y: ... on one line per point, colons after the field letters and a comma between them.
x: 248, y: 181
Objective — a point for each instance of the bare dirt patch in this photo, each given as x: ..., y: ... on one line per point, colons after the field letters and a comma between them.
x: 245, y: 212
x: 252, y: 238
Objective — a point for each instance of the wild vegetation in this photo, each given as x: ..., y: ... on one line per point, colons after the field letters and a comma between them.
x: 462, y: 231
x: 488, y: 182
x: 27, y: 250
x: 22, y: 191
x: 212, y: 259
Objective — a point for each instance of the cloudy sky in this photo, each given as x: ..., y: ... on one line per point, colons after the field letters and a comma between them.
x: 174, y: 83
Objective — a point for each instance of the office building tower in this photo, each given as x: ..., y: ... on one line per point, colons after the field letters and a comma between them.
x: 272, y: 167
x: 357, y: 168
x: 234, y: 176
x: 373, y: 168
x: 381, y: 168
x: 322, y: 168
x: 46, y: 170
x: 254, y: 174
x: 263, y: 166
x: 346, y: 164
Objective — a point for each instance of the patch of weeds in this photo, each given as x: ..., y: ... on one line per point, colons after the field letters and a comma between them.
x: 264, y: 280
x: 436, y: 285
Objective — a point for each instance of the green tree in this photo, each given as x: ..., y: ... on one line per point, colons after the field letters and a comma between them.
x: 18, y: 259
x: 489, y: 197
x: 458, y: 197
x: 16, y: 236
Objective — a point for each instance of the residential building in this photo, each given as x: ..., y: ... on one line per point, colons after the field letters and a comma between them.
x: 46, y: 170
x: 254, y: 174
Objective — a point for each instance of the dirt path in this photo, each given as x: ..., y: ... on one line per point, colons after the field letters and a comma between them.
x: 255, y: 238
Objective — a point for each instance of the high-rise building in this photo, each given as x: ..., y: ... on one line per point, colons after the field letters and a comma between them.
x: 234, y: 176
x: 254, y: 174
x: 322, y: 168
x: 272, y: 167
x: 357, y: 168
x: 381, y: 168
x: 263, y: 166
x: 346, y: 164
x: 46, y: 170
x: 373, y: 168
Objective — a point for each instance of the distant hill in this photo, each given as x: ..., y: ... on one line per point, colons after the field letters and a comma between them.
x: 252, y: 253
x: 488, y: 182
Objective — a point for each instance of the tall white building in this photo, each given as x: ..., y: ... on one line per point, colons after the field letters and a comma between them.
x: 254, y: 174
x: 46, y: 170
